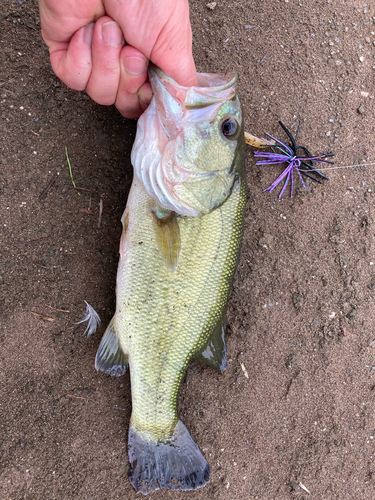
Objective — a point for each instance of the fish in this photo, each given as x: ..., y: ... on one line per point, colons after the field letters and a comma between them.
x: 179, y: 249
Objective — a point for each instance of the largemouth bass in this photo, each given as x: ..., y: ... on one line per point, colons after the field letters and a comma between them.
x: 182, y: 233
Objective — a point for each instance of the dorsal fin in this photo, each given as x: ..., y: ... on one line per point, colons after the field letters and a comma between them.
x: 110, y: 358
x: 168, y: 236
x: 215, y: 352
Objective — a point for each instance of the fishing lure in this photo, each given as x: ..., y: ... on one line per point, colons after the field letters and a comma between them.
x: 289, y: 154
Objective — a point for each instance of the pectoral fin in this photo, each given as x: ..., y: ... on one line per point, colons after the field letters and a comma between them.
x: 110, y: 358
x: 215, y: 353
x: 168, y: 236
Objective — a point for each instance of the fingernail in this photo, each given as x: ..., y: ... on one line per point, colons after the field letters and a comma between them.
x: 88, y: 31
x: 112, y: 34
x: 135, y: 65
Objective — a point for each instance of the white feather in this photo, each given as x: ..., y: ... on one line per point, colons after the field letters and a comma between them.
x: 92, y: 318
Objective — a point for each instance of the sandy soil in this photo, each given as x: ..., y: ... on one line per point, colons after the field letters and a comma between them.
x: 301, y: 314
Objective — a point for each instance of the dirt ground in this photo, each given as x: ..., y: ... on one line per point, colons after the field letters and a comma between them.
x: 302, y: 310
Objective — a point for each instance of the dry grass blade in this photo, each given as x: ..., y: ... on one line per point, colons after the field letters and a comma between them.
x: 70, y: 170
x: 304, y: 488
x: 244, y: 370
x: 100, y: 212
x: 42, y: 316
x: 345, y: 331
x: 8, y: 81
x: 61, y: 310
x: 72, y: 396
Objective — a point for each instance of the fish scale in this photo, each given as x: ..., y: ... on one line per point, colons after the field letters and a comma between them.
x: 158, y: 357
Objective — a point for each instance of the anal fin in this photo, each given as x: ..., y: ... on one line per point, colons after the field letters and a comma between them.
x: 215, y: 353
x: 110, y: 358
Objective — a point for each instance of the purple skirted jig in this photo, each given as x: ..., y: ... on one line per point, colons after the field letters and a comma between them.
x: 289, y: 154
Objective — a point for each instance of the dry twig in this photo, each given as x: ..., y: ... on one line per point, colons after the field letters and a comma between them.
x: 46, y: 189
x: 87, y: 211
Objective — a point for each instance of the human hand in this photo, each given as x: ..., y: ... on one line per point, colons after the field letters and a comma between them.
x: 104, y: 46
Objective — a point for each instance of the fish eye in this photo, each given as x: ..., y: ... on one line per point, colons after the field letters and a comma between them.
x: 229, y: 127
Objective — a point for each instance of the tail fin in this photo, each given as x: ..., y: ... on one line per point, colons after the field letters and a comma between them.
x: 177, y: 464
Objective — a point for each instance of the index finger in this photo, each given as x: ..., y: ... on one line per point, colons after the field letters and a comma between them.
x: 173, y: 54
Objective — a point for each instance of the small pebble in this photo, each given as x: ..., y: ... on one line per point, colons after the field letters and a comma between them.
x: 361, y: 58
